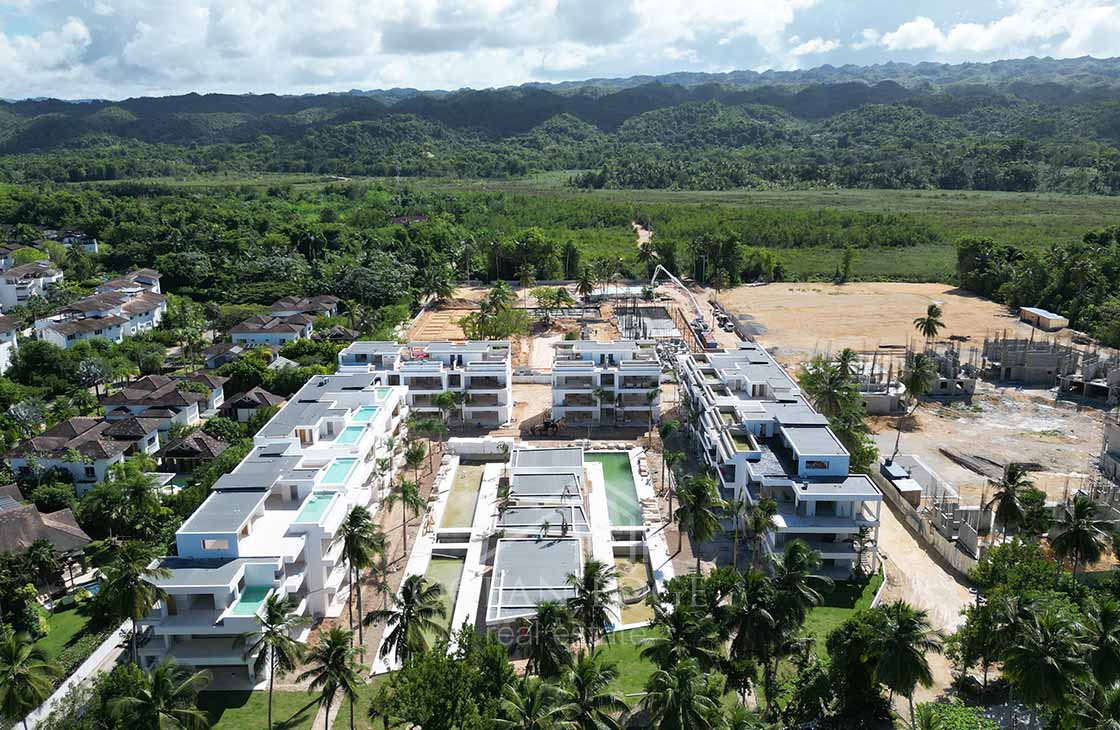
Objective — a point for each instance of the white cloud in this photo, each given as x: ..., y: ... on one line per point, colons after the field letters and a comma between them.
x: 868, y: 37
x: 812, y: 46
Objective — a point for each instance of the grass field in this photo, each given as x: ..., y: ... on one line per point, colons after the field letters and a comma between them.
x: 249, y: 710
x: 66, y: 627
x: 839, y: 605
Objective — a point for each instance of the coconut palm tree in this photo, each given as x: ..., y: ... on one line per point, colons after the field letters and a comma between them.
x: 900, y: 646
x: 273, y: 643
x: 414, y: 457
x: 1102, y: 632
x: 534, y: 704
x: 737, y: 508
x: 930, y: 325
x: 665, y: 430
x: 751, y: 619
x: 593, y: 599
x: 759, y: 525
x: 671, y: 459
x: 592, y: 704
x: 651, y: 399
x: 677, y: 698
x: 41, y: 560
x: 525, y: 277
x: 165, y: 701
x: 847, y: 362
x: 416, y: 614
x: 1080, y: 534
x: 917, y: 378
x: 361, y: 541
x: 1007, y: 496
x: 1047, y: 659
x: 699, y: 502
x: 585, y: 283
x: 128, y: 588
x: 26, y: 677
x: 550, y: 635
x: 333, y: 669
x: 601, y: 395
x: 408, y: 495
x: 501, y: 297
x: 827, y: 386
x: 796, y: 582
x: 684, y: 632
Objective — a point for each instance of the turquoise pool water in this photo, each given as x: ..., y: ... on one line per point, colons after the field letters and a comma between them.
x: 338, y: 471
x: 365, y: 414
x: 622, y: 493
x: 251, y: 599
x: 315, y: 507
x: 383, y: 393
x: 350, y: 435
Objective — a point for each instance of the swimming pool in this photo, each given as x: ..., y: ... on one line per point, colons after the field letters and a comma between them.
x: 250, y: 601
x: 622, y: 493
x: 350, y: 435
x: 338, y: 471
x: 445, y: 571
x: 383, y: 393
x: 365, y: 414
x: 315, y: 507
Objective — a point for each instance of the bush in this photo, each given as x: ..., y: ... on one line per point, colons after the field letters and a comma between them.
x: 955, y: 716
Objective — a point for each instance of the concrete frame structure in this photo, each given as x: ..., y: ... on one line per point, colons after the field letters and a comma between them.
x: 627, y: 369
x: 763, y: 439
x: 1110, y: 448
x: 271, y: 526
x: 480, y: 370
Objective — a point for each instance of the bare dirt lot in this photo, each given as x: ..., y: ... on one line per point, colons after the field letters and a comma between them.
x: 800, y: 319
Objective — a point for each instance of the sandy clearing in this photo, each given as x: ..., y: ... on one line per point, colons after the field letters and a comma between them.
x: 800, y: 319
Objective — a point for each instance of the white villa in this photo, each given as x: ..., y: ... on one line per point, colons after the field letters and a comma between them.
x: 627, y: 370
x: 751, y: 424
x: 121, y: 308
x: 9, y: 329
x: 20, y: 283
x: 481, y: 371
x: 270, y: 527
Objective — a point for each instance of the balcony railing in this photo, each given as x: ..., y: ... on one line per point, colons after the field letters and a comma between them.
x: 425, y: 384
x: 579, y: 400
x: 575, y: 383
x: 634, y: 383
x: 485, y: 384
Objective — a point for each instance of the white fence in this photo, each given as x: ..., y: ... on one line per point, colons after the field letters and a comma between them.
x: 84, y: 671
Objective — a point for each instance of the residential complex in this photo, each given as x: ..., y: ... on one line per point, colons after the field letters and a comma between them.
x: 9, y: 329
x: 272, y: 331
x: 753, y: 426
x: 122, y: 307
x: 271, y: 526
x: 19, y: 284
x: 606, y: 383
x: 481, y: 371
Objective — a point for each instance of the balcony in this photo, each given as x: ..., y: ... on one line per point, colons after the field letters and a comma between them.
x: 574, y: 383
x: 638, y: 383
x: 483, y: 400
x: 579, y: 400
x: 485, y: 384
x: 425, y: 383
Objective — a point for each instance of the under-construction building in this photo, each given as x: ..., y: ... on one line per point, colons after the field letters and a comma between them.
x: 1096, y: 377
x: 1030, y: 362
x: 879, y: 374
x: 1110, y: 449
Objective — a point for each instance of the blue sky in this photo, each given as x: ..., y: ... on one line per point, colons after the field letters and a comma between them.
x: 120, y: 48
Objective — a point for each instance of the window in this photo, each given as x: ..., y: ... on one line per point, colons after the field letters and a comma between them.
x: 215, y: 544
x: 90, y: 472
x: 816, y: 464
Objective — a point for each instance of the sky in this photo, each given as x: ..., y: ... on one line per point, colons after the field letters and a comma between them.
x: 114, y: 49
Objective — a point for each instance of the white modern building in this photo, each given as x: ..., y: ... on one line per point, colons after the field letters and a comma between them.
x: 272, y: 331
x: 122, y: 308
x: 754, y: 428
x: 1110, y: 448
x: 606, y: 383
x: 271, y: 526
x: 481, y: 371
x: 9, y: 332
x: 21, y: 283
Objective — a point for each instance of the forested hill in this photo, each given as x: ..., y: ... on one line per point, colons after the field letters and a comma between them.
x: 1031, y: 125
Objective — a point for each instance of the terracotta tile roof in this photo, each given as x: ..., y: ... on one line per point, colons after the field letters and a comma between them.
x: 23, y: 524
x: 198, y: 445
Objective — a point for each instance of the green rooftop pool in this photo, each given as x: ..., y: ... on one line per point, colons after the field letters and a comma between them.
x: 622, y: 492
x: 365, y: 414
x: 315, y: 507
x: 338, y: 471
x: 350, y: 435
x: 250, y: 601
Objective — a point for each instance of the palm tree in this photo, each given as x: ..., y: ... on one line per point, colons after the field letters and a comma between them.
x: 797, y: 589
x: 361, y: 540
x: 665, y: 430
x: 929, y: 325
x: 415, y: 615
x: 127, y: 584
x: 671, y: 459
x: 921, y: 370
x: 501, y: 297
x: 1102, y: 628
x: 651, y: 398
x: 593, y: 599
x: 526, y: 279
x: 41, y: 560
x: 165, y: 701
x: 550, y: 634
x: 534, y: 704
x: 408, y: 495
x: 737, y: 508
x: 827, y: 386
x: 847, y: 362
x: 1008, y: 496
x: 277, y: 652
x: 333, y: 668
x: 585, y: 283
x: 685, y: 632
x: 759, y: 525
x: 601, y: 395
x: 750, y: 618
x: 414, y: 457
x: 26, y: 677
x: 1047, y: 659
x: 677, y: 699
x: 697, y: 513
x: 1080, y: 534
x: 900, y: 645
x: 593, y: 705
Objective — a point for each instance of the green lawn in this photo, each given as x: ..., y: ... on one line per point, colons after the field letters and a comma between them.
x: 839, y: 605
x: 249, y: 710
x: 66, y: 627
x: 624, y: 649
